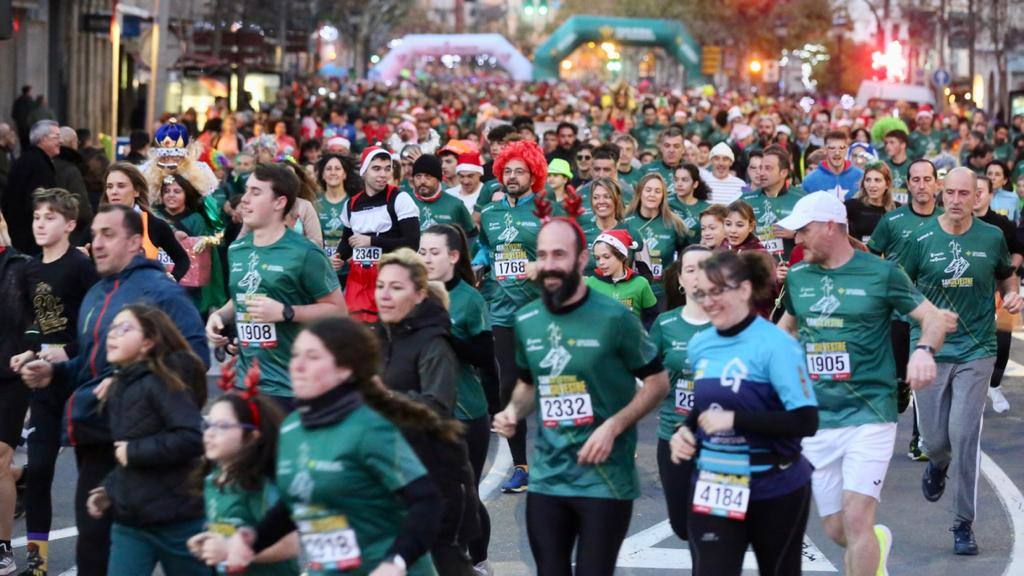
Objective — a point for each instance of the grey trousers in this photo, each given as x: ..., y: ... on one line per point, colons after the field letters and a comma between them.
x: 949, y: 413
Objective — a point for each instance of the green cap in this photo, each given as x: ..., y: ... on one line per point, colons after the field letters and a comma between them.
x: 559, y: 166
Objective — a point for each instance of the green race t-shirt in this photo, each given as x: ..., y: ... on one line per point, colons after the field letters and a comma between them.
x: 767, y: 212
x: 509, y: 234
x: 894, y: 231
x: 488, y: 190
x: 292, y: 271
x: 469, y: 318
x: 961, y: 273
x: 631, y: 177
x: 843, y: 317
x: 690, y: 215
x: 925, y: 145
x: 582, y: 363
x: 900, y: 177
x: 661, y: 240
x: 647, y: 136
x: 634, y: 293
x: 343, y: 479
x: 333, y: 228
x: 671, y: 334
x: 667, y: 174
x: 445, y: 209
x: 229, y: 507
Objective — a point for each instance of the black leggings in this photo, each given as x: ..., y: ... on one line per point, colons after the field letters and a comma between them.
x: 774, y: 528
x: 675, y: 481
x: 92, y: 550
x: 900, y: 332
x: 478, y: 439
x: 508, y: 374
x: 43, y: 448
x: 1003, y: 340
x: 594, y: 526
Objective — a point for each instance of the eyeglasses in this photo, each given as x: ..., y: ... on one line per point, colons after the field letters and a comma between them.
x: 714, y: 294
x: 221, y: 427
x: 517, y: 173
x: 583, y: 157
x: 121, y: 328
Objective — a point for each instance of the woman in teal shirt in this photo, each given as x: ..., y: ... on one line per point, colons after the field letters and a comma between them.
x: 662, y: 234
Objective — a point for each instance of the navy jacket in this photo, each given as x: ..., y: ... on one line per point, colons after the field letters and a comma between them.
x: 142, y: 281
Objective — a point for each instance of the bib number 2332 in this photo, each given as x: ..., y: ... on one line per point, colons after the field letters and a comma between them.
x: 566, y: 410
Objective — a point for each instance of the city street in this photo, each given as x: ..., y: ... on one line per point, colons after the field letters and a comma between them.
x: 922, y: 543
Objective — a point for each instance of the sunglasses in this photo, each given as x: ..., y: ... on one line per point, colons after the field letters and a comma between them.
x: 583, y: 157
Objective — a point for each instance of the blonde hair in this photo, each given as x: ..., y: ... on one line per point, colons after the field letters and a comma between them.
x: 887, y: 200
x: 668, y: 217
x: 615, y: 190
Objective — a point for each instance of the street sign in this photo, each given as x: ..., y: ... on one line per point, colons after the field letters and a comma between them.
x: 941, y: 78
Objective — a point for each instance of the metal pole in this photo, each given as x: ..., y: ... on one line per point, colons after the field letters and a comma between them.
x: 154, y: 65
x: 115, y: 71
x: 970, y: 51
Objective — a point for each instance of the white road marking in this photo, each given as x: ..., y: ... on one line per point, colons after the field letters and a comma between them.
x: 1013, y: 503
x: 61, y: 534
x: 638, y: 551
x: 497, y: 472
x: 1014, y: 369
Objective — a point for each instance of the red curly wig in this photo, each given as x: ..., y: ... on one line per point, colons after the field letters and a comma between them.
x: 531, y: 154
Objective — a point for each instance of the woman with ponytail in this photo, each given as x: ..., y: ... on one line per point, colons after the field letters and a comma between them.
x: 359, y: 496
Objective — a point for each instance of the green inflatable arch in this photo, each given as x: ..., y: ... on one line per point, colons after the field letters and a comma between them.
x: 669, y: 34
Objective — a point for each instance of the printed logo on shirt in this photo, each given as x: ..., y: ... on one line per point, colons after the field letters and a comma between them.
x: 828, y: 303
x: 558, y: 356
x: 733, y: 374
x: 511, y: 232
x: 302, y: 484
x: 426, y: 217
x: 956, y: 268
x: 252, y: 279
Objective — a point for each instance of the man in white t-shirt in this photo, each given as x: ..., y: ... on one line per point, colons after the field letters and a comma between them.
x: 725, y: 187
x: 469, y: 171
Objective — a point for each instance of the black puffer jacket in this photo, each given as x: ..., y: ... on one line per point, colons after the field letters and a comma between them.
x: 418, y: 357
x: 16, y: 280
x: 162, y: 428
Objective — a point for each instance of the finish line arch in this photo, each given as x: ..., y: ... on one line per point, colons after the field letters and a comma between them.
x: 669, y: 34
x: 415, y: 46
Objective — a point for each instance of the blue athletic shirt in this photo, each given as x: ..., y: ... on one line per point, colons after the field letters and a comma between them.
x: 761, y: 369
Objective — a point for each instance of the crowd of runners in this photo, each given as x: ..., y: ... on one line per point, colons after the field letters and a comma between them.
x: 389, y: 275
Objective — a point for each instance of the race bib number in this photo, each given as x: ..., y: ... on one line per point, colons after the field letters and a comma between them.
x: 367, y: 254
x: 900, y: 197
x: 510, y: 269
x: 163, y: 258
x: 836, y: 365
x: 656, y: 270
x: 257, y: 334
x: 568, y: 410
x: 724, y: 495
x: 684, y: 396
x: 773, y: 245
x: 331, y: 251
x: 330, y: 544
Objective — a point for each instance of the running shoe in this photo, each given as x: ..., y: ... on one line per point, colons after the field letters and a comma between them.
x: 36, y: 563
x: 7, y: 564
x: 915, y: 453
x: 999, y: 402
x: 933, y: 483
x: 483, y: 569
x: 517, y: 482
x: 884, y: 536
x: 963, y: 539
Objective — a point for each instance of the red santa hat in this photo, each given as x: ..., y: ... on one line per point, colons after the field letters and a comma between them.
x: 469, y: 162
x: 620, y: 241
x: 369, y: 155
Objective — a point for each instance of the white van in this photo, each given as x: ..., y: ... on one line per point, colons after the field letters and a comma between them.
x: 891, y: 92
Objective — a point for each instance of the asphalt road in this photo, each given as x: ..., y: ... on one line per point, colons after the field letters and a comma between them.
x: 922, y: 542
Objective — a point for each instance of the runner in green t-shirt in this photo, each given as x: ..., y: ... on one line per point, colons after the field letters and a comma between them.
x: 838, y: 302
x: 616, y: 278
x: 689, y: 198
x: 959, y: 262
x: 240, y: 437
x: 671, y: 146
x: 671, y: 334
x: 277, y: 280
x: 899, y: 165
x: 660, y: 231
x: 606, y: 213
x: 925, y: 140
x: 579, y: 354
x: 773, y: 202
x: 334, y: 172
x: 350, y: 482
x: 434, y: 205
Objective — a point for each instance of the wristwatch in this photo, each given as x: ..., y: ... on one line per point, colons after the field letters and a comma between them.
x: 288, y: 313
x: 926, y: 348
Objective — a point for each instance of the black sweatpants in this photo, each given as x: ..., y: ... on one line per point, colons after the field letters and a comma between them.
x: 774, y: 528
x: 92, y: 550
x: 675, y: 481
x: 508, y: 374
x: 43, y: 448
x: 595, y: 527
x: 1003, y: 340
x: 478, y: 438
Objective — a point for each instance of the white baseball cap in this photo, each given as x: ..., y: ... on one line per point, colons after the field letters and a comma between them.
x: 815, y: 207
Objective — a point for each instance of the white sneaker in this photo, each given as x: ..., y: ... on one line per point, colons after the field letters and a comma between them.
x: 999, y: 402
x: 884, y: 536
x: 483, y: 569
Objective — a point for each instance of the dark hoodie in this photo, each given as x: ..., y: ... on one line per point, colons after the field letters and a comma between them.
x: 70, y: 168
x: 418, y: 358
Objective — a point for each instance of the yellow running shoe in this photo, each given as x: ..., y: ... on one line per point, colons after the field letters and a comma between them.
x: 884, y: 536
